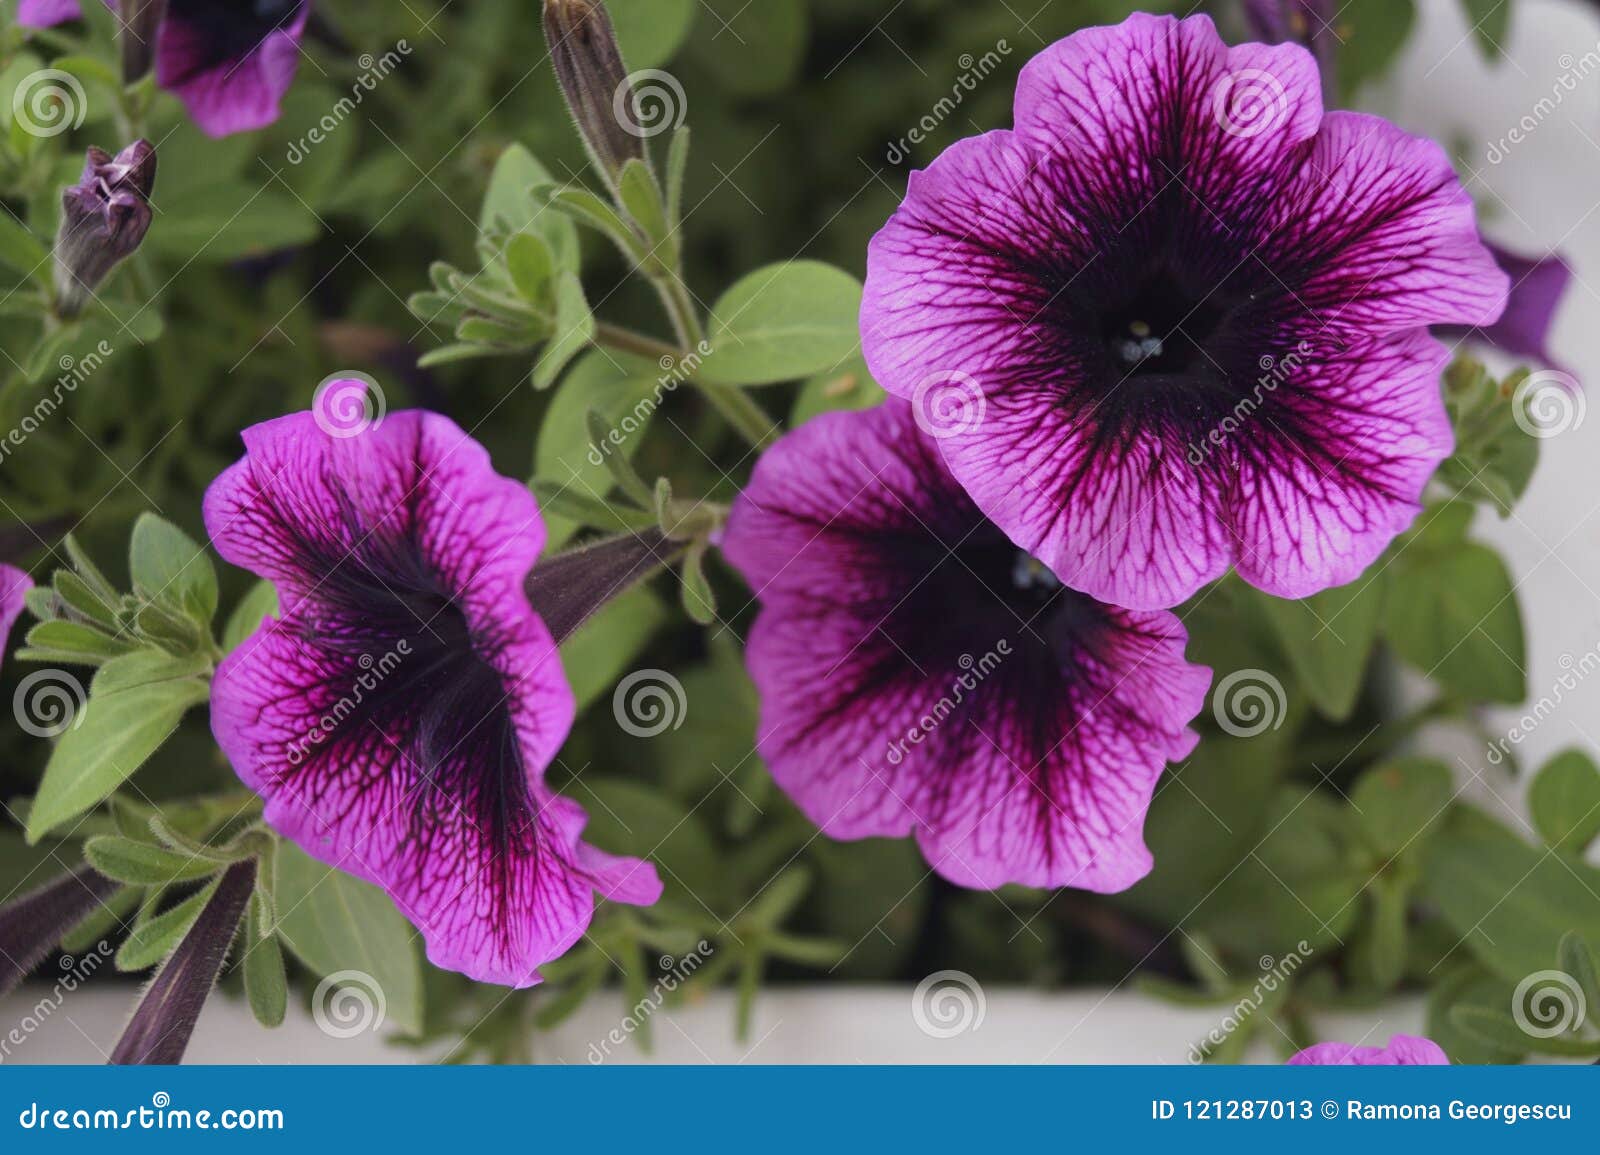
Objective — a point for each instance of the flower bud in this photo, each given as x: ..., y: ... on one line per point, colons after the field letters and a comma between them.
x: 104, y: 218
x: 141, y: 20
x: 588, y: 64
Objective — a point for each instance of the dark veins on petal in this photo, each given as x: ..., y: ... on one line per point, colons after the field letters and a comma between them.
x: 439, y: 715
x: 233, y: 28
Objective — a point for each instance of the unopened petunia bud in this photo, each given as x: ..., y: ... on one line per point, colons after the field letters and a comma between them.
x: 141, y: 20
x: 104, y: 218
x: 588, y: 64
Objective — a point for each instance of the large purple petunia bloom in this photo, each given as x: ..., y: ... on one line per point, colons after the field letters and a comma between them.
x: 1177, y: 319
x: 1402, y: 1051
x: 399, y: 716
x: 921, y: 675
x: 229, y: 61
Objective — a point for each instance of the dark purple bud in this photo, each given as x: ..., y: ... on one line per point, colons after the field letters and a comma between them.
x: 31, y: 926
x: 588, y: 64
x: 160, y: 1029
x: 104, y: 218
x: 141, y: 19
x: 566, y: 589
x: 1538, y: 285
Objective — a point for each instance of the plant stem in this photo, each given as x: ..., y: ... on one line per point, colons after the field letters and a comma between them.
x: 734, y: 404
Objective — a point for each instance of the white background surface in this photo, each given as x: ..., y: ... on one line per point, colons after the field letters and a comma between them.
x: 1545, y: 195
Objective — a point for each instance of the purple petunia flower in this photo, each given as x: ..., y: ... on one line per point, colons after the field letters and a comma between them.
x: 1177, y: 319
x: 921, y: 675
x: 399, y: 716
x: 229, y: 61
x: 1402, y: 1051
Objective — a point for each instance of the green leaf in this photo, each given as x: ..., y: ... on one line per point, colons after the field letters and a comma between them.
x: 88, y: 645
x: 1500, y: 1030
x: 155, y: 939
x: 574, y: 331
x: 1328, y: 639
x: 699, y: 601
x: 140, y: 864
x: 146, y: 667
x: 1379, y: 957
x: 254, y: 608
x: 266, y: 983
x: 650, y: 32
x: 629, y: 817
x: 1575, y: 959
x: 850, y: 386
x: 333, y: 922
x: 607, y: 644
x: 228, y: 221
x: 510, y: 203
x: 1372, y: 34
x: 1468, y: 986
x: 169, y: 566
x: 532, y: 267
x: 1565, y: 802
x: 22, y: 251
x: 677, y: 171
x: 626, y: 392
x: 782, y: 323
x: 110, y: 739
x: 641, y: 197
x: 1510, y: 903
x: 1453, y: 614
x: 83, y: 598
x: 1401, y: 802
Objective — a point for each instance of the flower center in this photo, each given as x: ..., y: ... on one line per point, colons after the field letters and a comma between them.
x: 232, y: 28
x: 1160, y: 330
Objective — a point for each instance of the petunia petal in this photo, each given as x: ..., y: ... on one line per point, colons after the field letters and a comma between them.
x: 1402, y: 1051
x: 232, y: 95
x: 902, y: 694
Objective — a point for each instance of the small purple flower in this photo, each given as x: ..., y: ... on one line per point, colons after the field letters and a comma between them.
x: 919, y: 674
x: 1538, y: 285
x: 1402, y: 1051
x: 399, y: 716
x: 1177, y: 319
x: 104, y: 219
x: 229, y: 61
